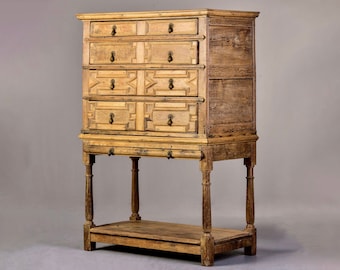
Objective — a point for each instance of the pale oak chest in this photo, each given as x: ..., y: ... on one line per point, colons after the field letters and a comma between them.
x: 170, y: 84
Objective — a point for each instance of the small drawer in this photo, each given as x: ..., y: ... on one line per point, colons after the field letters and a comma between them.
x: 171, y: 52
x: 112, y: 82
x: 112, y: 53
x: 113, y: 29
x: 171, y: 82
x: 171, y: 27
x: 171, y: 117
x: 111, y: 115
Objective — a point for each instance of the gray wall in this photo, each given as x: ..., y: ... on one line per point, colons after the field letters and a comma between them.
x: 41, y: 174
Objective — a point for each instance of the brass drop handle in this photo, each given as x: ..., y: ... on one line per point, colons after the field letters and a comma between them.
x: 171, y: 84
x: 114, y: 30
x: 171, y: 28
x: 170, y: 122
x: 111, y: 152
x: 112, y: 84
x: 112, y: 58
x: 170, y: 58
x: 112, y: 116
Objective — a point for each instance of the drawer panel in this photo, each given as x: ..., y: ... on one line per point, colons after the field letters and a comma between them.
x: 171, y: 27
x: 113, y: 53
x: 171, y: 117
x: 171, y: 52
x: 111, y: 115
x: 171, y: 82
x: 112, y: 82
x: 112, y: 29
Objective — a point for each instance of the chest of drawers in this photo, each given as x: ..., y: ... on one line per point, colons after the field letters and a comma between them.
x: 171, y: 84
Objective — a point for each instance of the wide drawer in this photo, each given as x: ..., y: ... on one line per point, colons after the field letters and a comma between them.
x: 112, y: 82
x: 147, y: 27
x: 111, y: 115
x: 171, y: 117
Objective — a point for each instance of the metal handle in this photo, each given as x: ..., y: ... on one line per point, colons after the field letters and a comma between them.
x: 171, y: 84
x: 170, y: 154
x: 112, y: 58
x: 170, y: 58
x: 171, y: 28
x: 114, y: 30
x: 111, y: 152
x: 112, y: 84
x: 170, y: 122
x: 111, y: 120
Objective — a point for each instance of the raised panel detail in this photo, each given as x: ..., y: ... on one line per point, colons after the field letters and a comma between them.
x: 112, y: 82
x: 171, y: 52
x: 171, y: 82
x: 113, y: 53
x: 171, y: 27
x: 171, y: 117
x: 111, y: 115
x: 115, y: 28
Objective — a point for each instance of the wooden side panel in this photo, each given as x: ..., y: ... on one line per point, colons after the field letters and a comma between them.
x: 231, y: 106
x: 231, y: 51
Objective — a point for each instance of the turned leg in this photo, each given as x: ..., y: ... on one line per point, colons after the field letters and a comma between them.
x: 207, y: 240
x: 88, y: 161
x: 250, y: 205
x: 135, y: 190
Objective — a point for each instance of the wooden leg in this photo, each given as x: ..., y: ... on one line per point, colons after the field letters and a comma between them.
x: 207, y: 240
x: 135, y: 190
x: 250, y: 205
x: 88, y: 161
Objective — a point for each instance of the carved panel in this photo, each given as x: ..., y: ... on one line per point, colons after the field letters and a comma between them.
x: 171, y: 117
x: 171, y: 82
x: 171, y: 52
x: 113, y: 53
x: 112, y: 82
x: 111, y: 115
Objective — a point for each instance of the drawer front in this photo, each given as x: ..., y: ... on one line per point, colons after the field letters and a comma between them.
x: 111, y: 115
x: 113, y: 29
x: 171, y: 117
x: 171, y: 82
x: 171, y: 52
x: 113, y: 53
x: 112, y: 82
x: 172, y: 27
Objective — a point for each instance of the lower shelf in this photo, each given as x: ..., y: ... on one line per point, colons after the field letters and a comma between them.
x: 168, y: 236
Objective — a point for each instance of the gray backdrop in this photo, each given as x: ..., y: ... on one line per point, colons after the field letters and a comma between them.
x: 42, y: 176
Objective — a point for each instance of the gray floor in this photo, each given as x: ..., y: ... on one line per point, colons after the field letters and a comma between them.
x: 51, y: 239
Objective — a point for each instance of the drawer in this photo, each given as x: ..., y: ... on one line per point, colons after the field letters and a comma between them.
x: 171, y: 52
x: 112, y: 82
x: 111, y: 115
x: 112, y: 53
x: 112, y: 29
x: 172, y: 27
x: 171, y: 82
x: 171, y: 117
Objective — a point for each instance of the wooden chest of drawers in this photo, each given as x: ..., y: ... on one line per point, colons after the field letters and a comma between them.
x: 173, y: 84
